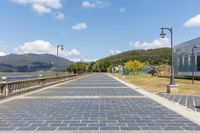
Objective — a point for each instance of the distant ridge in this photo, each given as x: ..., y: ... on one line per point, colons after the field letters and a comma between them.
x: 31, y: 62
x: 152, y: 56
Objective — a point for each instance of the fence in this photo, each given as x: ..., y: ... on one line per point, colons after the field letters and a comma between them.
x: 8, y: 88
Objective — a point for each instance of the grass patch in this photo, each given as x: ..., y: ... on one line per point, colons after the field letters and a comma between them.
x: 158, y: 84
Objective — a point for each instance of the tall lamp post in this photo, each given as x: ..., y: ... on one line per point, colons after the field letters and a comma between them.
x: 193, y: 62
x: 62, y: 48
x: 172, y: 82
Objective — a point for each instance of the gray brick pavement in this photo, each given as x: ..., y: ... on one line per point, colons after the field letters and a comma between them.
x: 90, y: 113
x: 88, y: 92
x: 192, y: 102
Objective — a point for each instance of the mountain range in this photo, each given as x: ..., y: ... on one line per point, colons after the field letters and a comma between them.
x: 151, y: 56
x: 32, y: 62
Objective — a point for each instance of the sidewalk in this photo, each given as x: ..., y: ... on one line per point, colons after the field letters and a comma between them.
x: 192, y: 102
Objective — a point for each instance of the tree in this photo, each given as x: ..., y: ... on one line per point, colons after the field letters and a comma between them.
x: 78, y: 67
x: 99, y: 66
x: 90, y: 67
x: 102, y: 66
x: 155, y: 57
x: 134, y: 66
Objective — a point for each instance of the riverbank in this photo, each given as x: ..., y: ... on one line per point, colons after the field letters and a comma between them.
x: 26, y: 75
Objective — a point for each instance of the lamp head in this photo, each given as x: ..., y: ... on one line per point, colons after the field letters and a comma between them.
x: 62, y: 48
x: 162, y: 34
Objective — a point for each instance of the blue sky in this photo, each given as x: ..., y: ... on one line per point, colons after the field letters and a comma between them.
x: 92, y: 29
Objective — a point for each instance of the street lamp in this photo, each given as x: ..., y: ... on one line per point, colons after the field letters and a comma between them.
x: 81, y: 65
x: 193, y: 62
x: 62, y: 48
x: 172, y: 82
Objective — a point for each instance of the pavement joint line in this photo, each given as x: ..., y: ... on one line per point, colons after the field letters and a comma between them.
x: 108, y: 79
x: 92, y: 83
x: 168, y: 96
x: 186, y: 101
x: 39, y: 90
x: 179, y: 100
x: 194, y: 104
x: 173, y: 98
x: 179, y: 109
x: 163, y: 94
x: 92, y: 87
x: 98, y: 81
x: 103, y: 131
x: 79, y: 97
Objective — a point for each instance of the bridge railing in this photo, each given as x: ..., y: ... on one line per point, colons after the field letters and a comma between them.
x: 8, y: 88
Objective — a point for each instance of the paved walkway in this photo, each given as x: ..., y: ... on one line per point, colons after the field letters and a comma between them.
x: 95, y: 102
x: 192, y: 102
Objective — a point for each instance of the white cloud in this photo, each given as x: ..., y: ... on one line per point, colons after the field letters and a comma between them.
x: 60, y: 16
x: 38, y: 46
x: 114, y: 52
x: 193, y: 22
x: 41, y: 6
x: 122, y: 10
x: 157, y: 43
x: 40, y: 9
x: 1, y: 49
x: 44, y: 47
x: 87, y: 4
x: 90, y: 60
x: 80, y: 26
x: 24, y: 2
x: 73, y: 52
x: 2, y: 54
x: 83, y: 60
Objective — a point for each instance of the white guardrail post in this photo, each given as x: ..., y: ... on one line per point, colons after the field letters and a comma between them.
x: 5, y: 89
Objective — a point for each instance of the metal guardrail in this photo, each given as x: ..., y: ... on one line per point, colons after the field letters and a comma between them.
x: 8, y: 88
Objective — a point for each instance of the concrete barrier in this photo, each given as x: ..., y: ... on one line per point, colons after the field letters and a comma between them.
x: 8, y: 88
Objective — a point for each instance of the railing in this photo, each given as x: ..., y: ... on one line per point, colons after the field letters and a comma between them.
x: 8, y: 88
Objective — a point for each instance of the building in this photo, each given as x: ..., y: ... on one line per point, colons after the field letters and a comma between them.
x: 184, y: 62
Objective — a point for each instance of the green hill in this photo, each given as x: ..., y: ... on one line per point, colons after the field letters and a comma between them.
x: 31, y: 62
x: 152, y: 56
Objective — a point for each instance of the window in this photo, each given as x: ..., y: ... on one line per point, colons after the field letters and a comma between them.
x: 185, y: 66
x: 180, y: 64
x: 198, y: 63
x: 190, y: 62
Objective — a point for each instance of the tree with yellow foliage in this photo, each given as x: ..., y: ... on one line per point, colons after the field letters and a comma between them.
x: 134, y: 66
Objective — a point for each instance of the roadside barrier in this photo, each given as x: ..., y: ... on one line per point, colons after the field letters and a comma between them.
x: 8, y: 88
